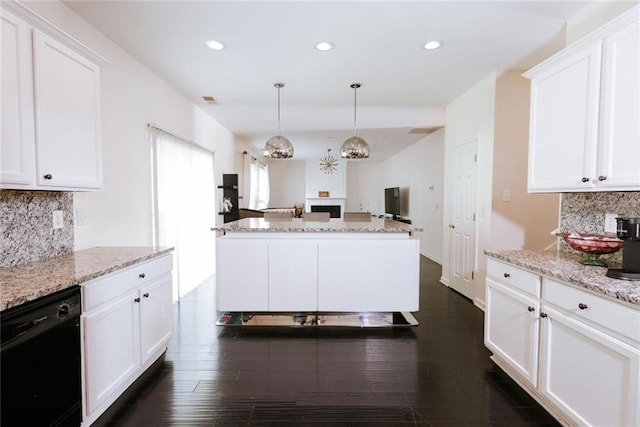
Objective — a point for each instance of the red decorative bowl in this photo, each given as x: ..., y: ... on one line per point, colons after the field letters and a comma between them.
x: 592, y: 243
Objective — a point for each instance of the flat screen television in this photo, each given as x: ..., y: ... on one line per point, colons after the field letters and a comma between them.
x: 392, y: 201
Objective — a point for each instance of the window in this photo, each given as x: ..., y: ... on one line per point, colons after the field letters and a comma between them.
x: 258, y: 184
x: 184, y: 208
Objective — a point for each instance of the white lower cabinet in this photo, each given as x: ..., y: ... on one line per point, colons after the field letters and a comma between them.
x: 590, y: 376
x: 574, y: 351
x: 111, y: 349
x: 293, y: 275
x: 511, y: 328
x: 368, y: 275
x: 127, y: 321
x: 242, y: 271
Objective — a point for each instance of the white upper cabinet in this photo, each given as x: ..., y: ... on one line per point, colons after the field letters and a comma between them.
x: 51, y: 136
x: 17, y: 155
x: 585, y: 103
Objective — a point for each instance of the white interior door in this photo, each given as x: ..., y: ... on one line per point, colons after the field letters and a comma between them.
x: 462, y: 225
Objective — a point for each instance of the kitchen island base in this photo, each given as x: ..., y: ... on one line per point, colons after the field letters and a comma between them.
x: 334, y: 267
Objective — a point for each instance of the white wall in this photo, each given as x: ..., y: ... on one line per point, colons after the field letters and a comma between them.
x: 419, y: 172
x: 132, y: 96
x: 471, y: 117
x: 287, y: 183
x: 365, y: 187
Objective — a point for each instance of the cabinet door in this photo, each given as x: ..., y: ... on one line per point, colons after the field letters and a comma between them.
x: 242, y: 274
x: 112, y: 349
x: 619, y: 154
x: 67, y: 103
x: 377, y: 275
x: 293, y: 275
x: 17, y: 147
x: 512, y: 327
x: 563, y: 122
x: 156, y: 317
x: 590, y: 376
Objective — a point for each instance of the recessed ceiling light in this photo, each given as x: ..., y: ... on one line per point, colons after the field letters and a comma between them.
x: 215, y: 45
x: 325, y: 46
x: 432, y: 44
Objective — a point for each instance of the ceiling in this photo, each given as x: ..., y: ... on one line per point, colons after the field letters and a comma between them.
x: 404, y: 87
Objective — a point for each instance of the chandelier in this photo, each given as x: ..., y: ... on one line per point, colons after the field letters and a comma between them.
x: 328, y: 164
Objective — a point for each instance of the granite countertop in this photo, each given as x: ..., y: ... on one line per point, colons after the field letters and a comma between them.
x: 33, y: 280
x: 566, y: 267
x: 334, y: 225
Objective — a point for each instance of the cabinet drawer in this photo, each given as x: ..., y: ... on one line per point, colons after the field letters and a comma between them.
x: 617, y: 318
x: 514, y: 277
x: 113, y: 285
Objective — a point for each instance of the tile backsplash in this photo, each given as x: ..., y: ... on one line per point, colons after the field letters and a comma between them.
x: 26, y: 226
x: 584, y: 213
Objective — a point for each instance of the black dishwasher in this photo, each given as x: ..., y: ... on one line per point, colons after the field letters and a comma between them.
x: 40, y: 362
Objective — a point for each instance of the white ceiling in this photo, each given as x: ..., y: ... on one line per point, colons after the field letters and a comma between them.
x: 377, y: 44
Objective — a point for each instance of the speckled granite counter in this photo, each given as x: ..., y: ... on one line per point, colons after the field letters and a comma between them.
x: 377, y: 225
x: 36, y: 279
x: 565, y: 267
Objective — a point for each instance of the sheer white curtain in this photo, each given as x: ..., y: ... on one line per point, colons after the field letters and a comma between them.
x: 184, y: 208
x: 258, y: 184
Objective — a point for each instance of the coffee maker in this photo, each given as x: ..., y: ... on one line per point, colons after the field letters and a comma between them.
x: 628, y: 230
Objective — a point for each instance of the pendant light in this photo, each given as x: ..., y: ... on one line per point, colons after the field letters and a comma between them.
x: 278, y: 147
x: 355, y: 147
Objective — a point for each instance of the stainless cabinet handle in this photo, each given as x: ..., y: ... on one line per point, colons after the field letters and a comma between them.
x: 141, y: 275
x: 136, y: 300
x: 146, y: 295
x: 543, y: 315
x: 585, y: 179
x: 48, y: 176
x: 507, y: 275
x: 602, y: 178
x: 531, y: 309
x: 582, y: 306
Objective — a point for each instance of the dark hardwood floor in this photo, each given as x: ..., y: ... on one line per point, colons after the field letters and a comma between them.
x: 437, y: 373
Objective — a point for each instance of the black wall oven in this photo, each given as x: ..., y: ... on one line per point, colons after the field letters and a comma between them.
x: 40, y: 362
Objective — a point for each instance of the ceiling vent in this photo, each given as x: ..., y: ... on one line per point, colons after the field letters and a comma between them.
x: 209, y: 99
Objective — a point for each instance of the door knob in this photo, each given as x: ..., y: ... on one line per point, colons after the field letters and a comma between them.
x: 543, y: 315
x: 531, y: 309
x: 602, y: 178
x: 48, y: 176
x: 585, y: 179
x: 452, y: 226
x: 582, y: 306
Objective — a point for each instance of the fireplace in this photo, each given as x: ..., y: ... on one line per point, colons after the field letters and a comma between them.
x: 334, y: 210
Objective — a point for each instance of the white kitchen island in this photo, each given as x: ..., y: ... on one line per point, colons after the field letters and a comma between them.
x: 335, y: 266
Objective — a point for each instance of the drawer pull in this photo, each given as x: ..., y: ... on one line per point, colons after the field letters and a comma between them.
x: 585, y: 179
x: 136, y: 300
x: 602, y: 178
x: 146, y: 295
x: 582, y: 306
x: 48, y: 176
x: 543, y: 315
x: 531, y: 309
x: 141, y: 275
x: 507, y: 275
